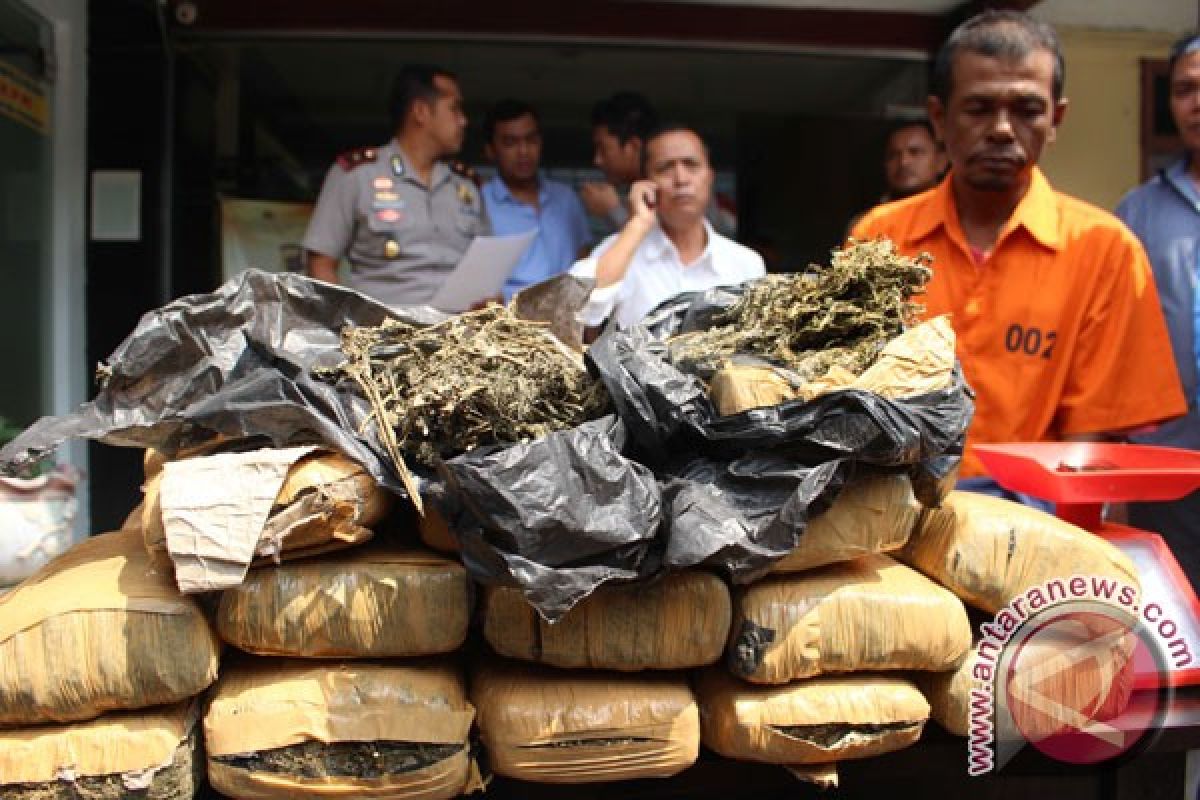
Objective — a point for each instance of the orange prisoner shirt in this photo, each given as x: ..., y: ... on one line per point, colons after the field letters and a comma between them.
x: 1059, y: 329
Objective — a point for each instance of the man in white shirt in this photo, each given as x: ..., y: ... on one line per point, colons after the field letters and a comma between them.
x: 666, y: 247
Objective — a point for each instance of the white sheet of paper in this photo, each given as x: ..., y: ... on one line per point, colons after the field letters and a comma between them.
x: 482, y: 271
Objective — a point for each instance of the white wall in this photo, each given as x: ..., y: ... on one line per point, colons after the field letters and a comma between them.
x: 69, y: 385
x: 1167, y: 16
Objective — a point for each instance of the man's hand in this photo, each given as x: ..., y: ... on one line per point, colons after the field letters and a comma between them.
x: 600, y: 199
x: 487, y: 301
x: 612, y: 265
x: 643, y: 198
x: 322, y: 267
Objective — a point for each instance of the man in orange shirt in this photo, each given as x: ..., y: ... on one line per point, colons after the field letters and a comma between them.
x: 1053, y: 301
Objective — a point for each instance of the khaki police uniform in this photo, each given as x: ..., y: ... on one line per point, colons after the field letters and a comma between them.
x: 401, y: 237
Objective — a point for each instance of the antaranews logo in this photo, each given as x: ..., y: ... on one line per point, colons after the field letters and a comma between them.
x: 1056, y: 668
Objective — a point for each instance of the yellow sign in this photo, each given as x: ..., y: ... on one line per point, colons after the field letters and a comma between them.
x: 23, y: 98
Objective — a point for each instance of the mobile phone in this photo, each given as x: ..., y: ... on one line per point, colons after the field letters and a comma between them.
x: 650, y: 196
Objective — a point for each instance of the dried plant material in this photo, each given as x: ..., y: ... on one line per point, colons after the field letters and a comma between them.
x: 480, y: 378
x: 840, y: 315
x: 678, y: 622
x: 815, y: 721
x: 918, y: 361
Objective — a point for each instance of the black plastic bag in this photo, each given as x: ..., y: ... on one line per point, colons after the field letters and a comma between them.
x: 557, y: 516
x: 742, y: 516
x: 667, y: 410
x: 739, y: 489
x: 237, y: 362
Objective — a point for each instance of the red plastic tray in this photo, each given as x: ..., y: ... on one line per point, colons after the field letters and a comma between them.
x: 1163, y: 582
x: 1092, y: 472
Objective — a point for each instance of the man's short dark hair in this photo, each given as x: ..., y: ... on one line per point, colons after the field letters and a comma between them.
x: 1009, y: 35
x: 662, y: 129
x: 412, y: 83
x: 905, y: 124
x: 626, y: 115
x: 1186, y: 45
x: 507, y: 110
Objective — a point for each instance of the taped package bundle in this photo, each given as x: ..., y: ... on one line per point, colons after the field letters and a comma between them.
x: 917, y: 361
x: 872, y: 515
x: 370, y: 602
x: 1085, y: 663
x: 150, y: 755
x: 580, y: 727
x: 677, y: 622
x: 97, y: 629
x: 815, y: 721
x: 988, y: 550
x: 435, y: 532
x: 868, y: 614
x: 949, y: 696
x: 324, y: 501
x: 292, y: 729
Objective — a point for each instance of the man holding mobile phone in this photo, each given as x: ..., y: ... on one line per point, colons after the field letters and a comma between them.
x: 666, y: 247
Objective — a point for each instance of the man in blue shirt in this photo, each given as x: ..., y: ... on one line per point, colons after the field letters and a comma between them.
x: 1164, y: 212
x: 519, y: 199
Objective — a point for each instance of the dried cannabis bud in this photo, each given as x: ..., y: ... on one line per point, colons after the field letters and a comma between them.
x: 840, y: 315
x: 479, y: 378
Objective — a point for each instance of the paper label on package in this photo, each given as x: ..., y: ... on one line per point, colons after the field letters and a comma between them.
x: 214, y: 509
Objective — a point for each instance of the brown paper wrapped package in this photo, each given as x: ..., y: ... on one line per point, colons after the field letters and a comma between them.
x: 327, y: 502
x: 988, y: 550
x: 814, y: 721
x: 872, y: 515
x: 1049, y: 675
x: 151, y: 754
x: 949, y: 696
x: 372, y: 602
x: 918, y: 361
x: 580, y: 727
x: 678, y: 622
x: 435, y: 531
x: 97, y: 629
x: 133, y: 521
x: 262, y: 706
x: 740, y: 387
x: 868, y: 614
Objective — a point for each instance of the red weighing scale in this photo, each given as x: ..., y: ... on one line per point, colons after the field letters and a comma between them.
x: 1080, y: 477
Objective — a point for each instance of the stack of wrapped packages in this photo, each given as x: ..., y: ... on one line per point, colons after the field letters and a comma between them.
x: 730, y: 526
x: 102, y: 662
x: 339, y: 685
x: 989, y: 552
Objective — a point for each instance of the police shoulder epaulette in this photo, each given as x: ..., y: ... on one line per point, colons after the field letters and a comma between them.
x: 356, y: 158
x: 465, y: 171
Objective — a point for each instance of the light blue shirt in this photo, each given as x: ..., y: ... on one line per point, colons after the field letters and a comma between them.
x: 562, y: 225
x: 1164, y: 212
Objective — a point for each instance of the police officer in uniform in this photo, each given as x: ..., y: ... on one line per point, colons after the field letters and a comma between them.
x: 398, y: 213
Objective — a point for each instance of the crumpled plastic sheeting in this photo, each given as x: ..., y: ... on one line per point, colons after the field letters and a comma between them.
x: 236, y: 361
x: 741, y: 498
x: 558, y: 516
x: 665, y: 408
x: 669, y: 483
